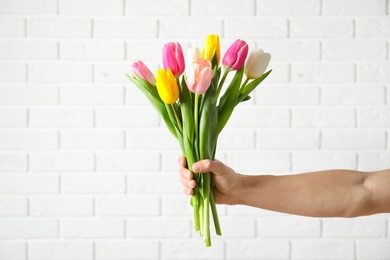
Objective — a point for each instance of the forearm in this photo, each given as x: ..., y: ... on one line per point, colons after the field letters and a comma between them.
x: 334, y: 193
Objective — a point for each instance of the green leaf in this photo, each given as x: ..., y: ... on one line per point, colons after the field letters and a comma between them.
x: 246, y: 90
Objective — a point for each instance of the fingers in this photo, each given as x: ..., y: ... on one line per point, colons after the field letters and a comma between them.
x: 186, y: 177
x: 204, y: 166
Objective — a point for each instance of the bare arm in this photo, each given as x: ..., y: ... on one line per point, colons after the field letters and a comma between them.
x: 333, y: 193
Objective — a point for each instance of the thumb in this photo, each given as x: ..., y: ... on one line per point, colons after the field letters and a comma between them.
x: 204, y: 166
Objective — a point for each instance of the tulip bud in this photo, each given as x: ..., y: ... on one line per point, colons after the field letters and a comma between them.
x: 199, y: 76
x: 211, y: 46
x: 140, y: 69
x: 235, y: 56
x: 166, y: 86
x: 173, y: 58
x: 257, y: 63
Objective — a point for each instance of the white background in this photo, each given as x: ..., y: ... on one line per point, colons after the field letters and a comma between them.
x: 88, y: 170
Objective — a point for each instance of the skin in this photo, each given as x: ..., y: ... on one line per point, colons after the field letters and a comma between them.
x: 330, y: 193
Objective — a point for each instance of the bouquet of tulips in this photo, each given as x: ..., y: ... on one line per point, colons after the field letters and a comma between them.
x: 187, y: 94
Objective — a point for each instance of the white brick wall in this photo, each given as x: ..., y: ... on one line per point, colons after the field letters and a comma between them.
x: 89, y: 171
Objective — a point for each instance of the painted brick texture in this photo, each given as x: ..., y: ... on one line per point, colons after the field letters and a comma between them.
x: 89, y: 171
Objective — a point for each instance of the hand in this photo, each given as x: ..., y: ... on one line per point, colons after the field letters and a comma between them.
x: 224, y: 178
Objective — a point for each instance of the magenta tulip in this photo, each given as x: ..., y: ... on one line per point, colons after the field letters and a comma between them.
x: 235, y: 56
x: 199, y: 76
x: 173, y: 58
x: 141, y: 70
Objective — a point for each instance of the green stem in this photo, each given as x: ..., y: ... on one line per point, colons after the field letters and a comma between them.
x: 215, y: 214
x: 221, y: 83
x: 245, y: 82
x: 177, y: 119
x: 206, y: 210
x: 196, y: 119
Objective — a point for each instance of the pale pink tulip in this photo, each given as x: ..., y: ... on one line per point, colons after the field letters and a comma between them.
x: 141, y: 70
x: 199, y: 76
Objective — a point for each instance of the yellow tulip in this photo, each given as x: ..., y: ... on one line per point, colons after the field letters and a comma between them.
x: 166, y: 86
x: 211, y: 46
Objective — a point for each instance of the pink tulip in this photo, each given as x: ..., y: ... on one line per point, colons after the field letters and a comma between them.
x: 235, y: 56
x: 141, y: 70
x: 173, y: 58
x: 199, y: 76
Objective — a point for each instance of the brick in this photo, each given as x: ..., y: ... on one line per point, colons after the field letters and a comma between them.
x: 176, y: 206
x: 231, y: 8
x: 372, y: 249
x: 96, y: 140
x: 128, y: 161
x: 258, y: 162
x: 256, y: 28
x: 12, y: 27
x: 373, y: 27
x: 53, y: 27
x: 62, y: 162
x: 13, y: 117
x: 127, y: 117
x: 28, y: 50
x: 28, y: 7
x: 57, y: 250
x: 184, y: 28
x: 237, y: 139
x: 374, y: 72
x: 61, y: 206
x: 281, y: 49
x: 258, y: 249
x: 323, y: 73
x: 61, y: 117
x: 169, y: 160
x: 360, y: 7
x: 12, y: 72
x: 237, y: 227
x: 290, y: 95
x: 93, y: 184
x: 22, y: 183
x: 92, y: 50
x: 327, y: 249
x: 153, y: 139
x: 128, y: 28
x: 158, y: 228
x: 191, y: 249
x: 353, y: 139
x: 280, y: 73
x: 318, y: 117
x: 161, y: 8
x: 256, y: 116
x: 28, y: 140
x: 28, y: 228
x: 151, y: 51
x: 13, y: 206
x: 159, y: 183
x: 13, y: 250
x: 127, y: 250
x: 91, y: 7
x: 112, y: 72
x: 13, y: 162
x: 374, y: 116
x: 353, y: 95
x: 280, y: 7
x: 288, y: 139
x: 96, y: 95
x: 128, y: 206
x: 322, y: 160
x: 92, y: 228
x: 28, y: 95
x: 354, y: 50
x: 321, y: 28
x: 374, y: 161
x: 359, y: 227
x: 288, y: 227
x: 61, y: 72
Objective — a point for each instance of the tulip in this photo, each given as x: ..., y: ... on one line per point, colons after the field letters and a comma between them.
x: 166, y: 86
x: 257, y: 63
x: 173, y: 58
x: 211, y: 46
x: 140, y: 69
x: 199, y: 76
x: 235, y: 56
x: 192, y: 55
